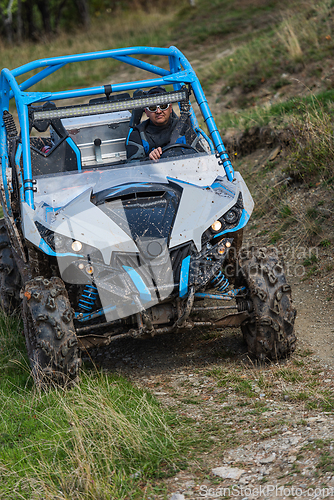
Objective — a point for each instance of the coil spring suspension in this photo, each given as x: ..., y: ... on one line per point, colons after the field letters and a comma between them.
x: 88, y: 298
x: 220, y: 282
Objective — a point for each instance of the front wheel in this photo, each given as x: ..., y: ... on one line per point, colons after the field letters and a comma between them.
x: 51, y: 341
x: 10, y: 280
x: 269, y: 333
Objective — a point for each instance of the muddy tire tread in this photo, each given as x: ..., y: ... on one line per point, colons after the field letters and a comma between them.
x: 10, y: 279
x: 51, y: 340
x: 269, y: 333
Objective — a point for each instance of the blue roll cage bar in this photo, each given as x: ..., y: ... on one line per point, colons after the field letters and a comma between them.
x: 180, y: 73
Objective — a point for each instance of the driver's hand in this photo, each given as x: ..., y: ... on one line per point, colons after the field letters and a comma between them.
x: 155, y: 154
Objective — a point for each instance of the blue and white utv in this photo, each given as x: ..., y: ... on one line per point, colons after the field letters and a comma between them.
x: 96, y: 248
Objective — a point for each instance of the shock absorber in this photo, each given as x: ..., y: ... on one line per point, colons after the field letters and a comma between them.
x: 220, y: 282
x: 88, y: 297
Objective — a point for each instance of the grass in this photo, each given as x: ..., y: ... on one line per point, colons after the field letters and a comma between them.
x: 100, y: 440
x: 255, y: 57
x: 296, y: 113
x: 218, y: 19
x: 107, y: 439
x: 89, y: 443
x: 312, y: 148
x: 275, y: 48
x: 310, y: 260
x: 287, y: 34
x: 284, y: 217
x: 275, y: 381
x: 325, y: 243
x: 285, y: 212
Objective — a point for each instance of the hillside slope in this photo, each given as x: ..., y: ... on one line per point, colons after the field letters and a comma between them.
x: 269, y: 80
x: 267, y: 69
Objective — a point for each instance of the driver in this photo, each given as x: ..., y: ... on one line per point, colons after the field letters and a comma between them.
x: 149, y: 137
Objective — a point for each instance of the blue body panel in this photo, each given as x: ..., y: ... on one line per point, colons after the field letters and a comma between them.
x: 184, y: 277
x: 144, y: 293
x: 75, y: 148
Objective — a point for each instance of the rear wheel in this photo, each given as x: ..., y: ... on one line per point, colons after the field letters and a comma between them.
x: 52, y: 344
x: 269, y: 331
x: 10, y: 280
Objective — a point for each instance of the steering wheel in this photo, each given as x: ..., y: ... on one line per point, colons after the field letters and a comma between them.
x: 177, y: 145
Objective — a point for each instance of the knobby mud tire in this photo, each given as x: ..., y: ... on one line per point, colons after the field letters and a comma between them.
x: 51, y: 340
x: 269, y: 333
x: 10, y: 279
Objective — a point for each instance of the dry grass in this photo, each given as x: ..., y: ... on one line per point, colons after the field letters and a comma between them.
x: 288, y: 37
x: 312, y: 147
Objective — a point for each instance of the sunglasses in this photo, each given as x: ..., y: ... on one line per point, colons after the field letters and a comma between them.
x: 154, y: 109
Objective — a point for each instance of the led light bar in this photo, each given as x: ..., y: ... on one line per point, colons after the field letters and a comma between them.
x: 110, y: 106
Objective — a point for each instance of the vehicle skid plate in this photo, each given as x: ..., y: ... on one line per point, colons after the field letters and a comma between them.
x: 90, y: 340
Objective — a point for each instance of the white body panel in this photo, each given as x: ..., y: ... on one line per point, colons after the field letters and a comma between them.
x: 73, y: 214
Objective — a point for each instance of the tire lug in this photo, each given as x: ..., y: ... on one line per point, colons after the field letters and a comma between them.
x: 50, y: 303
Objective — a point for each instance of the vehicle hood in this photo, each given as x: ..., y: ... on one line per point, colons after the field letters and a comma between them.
x: 113, y: 208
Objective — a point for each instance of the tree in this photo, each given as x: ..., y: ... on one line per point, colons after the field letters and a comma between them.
x: 44, y: 8
x: 19, y: 21
x: 83, y: 9
x: 32, y: 19
x: 7, y: 18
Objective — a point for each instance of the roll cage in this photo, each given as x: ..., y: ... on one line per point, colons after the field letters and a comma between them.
x: 31, y: 113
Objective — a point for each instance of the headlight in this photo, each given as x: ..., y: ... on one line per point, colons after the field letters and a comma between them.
x: 231, y: 216
x: 216, y: 226
x: 76, y: 246
x: 225, y: 224
x: 89, y: 269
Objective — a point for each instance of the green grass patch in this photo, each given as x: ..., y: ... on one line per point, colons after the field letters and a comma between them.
x: 325, y: 243
x: 244, y: 387
x: 313, y: 259
x: 98, y: 440
x: 91, y: 442
x: 285, y: 212
x: 326, y: 462
x: 289, y: 375
x: 275, y: 237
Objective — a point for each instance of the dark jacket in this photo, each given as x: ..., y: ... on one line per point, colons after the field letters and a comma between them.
x: 146, y: 136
